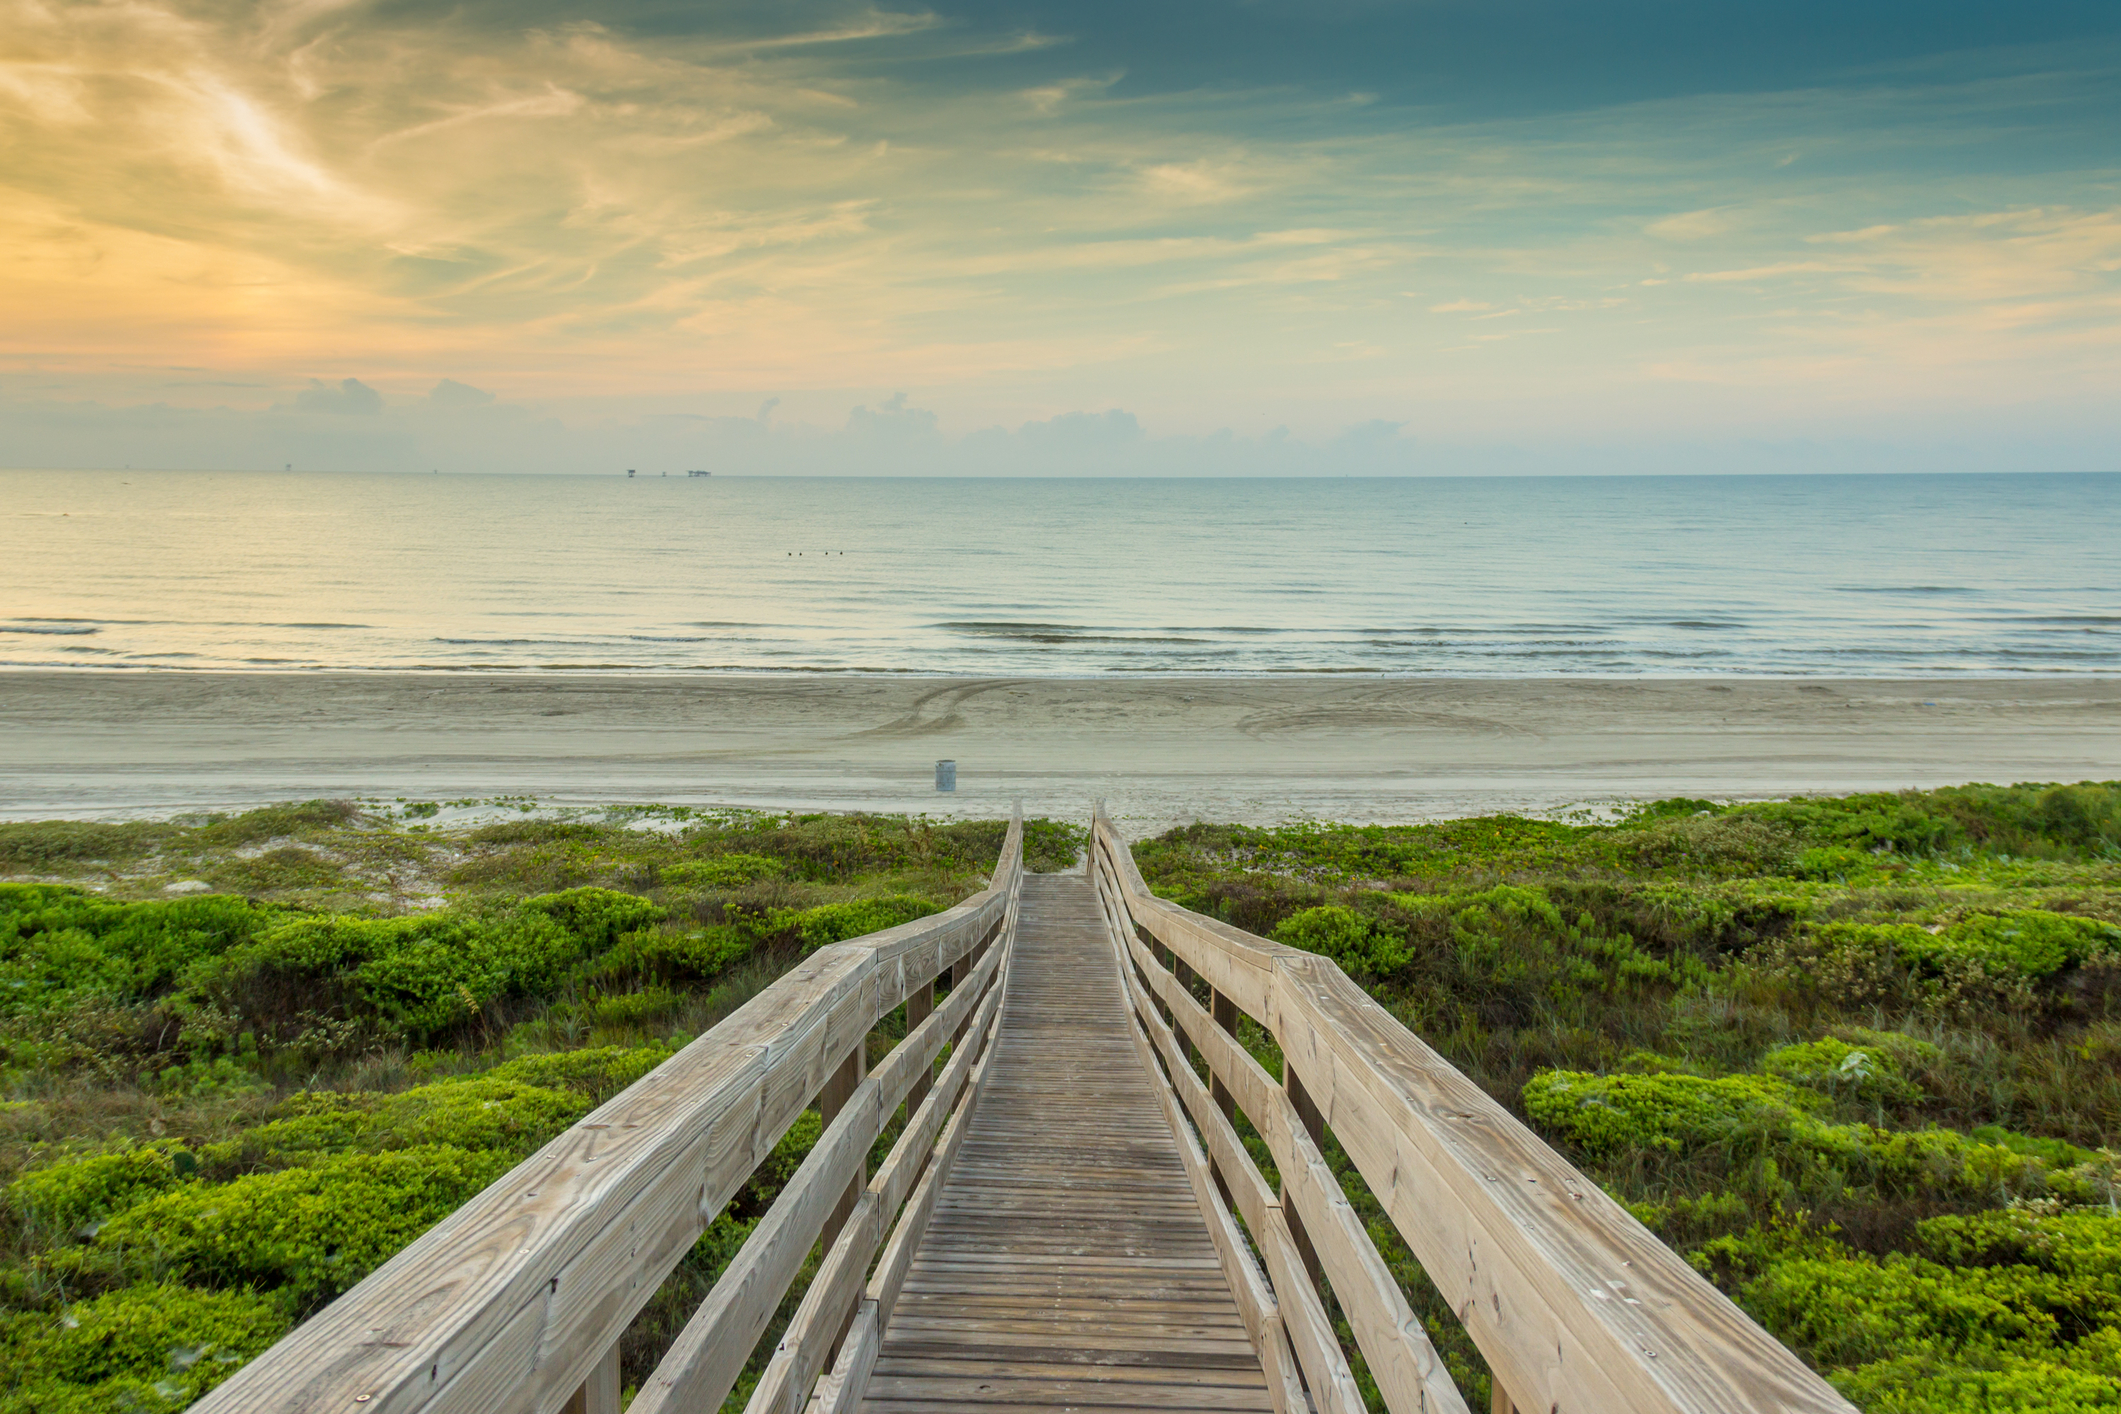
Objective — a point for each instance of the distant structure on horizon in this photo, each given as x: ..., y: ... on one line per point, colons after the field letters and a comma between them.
x: 699, y: 473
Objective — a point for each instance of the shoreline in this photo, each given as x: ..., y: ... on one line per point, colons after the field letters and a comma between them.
x: 772, y: 674
x: 1161, y: 749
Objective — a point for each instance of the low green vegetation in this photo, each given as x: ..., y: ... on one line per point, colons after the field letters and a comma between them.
x: 248, y: 1059
x: 1858, y: 1059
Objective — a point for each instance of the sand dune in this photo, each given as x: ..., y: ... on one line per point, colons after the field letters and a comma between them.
x: 1160, y: 750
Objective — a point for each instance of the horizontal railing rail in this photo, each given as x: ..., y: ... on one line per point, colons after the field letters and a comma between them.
x: 517, y: 1301
x: 1574, y: 1305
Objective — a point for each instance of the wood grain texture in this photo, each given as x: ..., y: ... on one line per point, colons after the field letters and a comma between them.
x: 510, y: 1302
x: 1573, y: 1303
x: 1067, y: 1264
x: 1259, y: 1307
x: 840, y: 1392
x: 1408, y: 1371
x: 704, y: 1361
x: 599, y: 1393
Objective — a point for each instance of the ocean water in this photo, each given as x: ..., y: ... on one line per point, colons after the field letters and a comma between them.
x: 1662, y: 576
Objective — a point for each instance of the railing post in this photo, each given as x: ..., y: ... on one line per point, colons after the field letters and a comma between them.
x: 830, y: 1101
x: 919, y: 1007
x: 599, y: 1393
x: 960, y: 970
x: 1315, y: 1123
x: 1501, y: 1403
x: 1225, y: 1013
x: 1185, y: 976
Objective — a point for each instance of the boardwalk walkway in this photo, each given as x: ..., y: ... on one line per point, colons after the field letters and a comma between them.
x: 1067, y: 1266
x: 1039, y: 1238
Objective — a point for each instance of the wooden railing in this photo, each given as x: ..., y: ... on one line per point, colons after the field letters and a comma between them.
x: 516, y: 1302
x: 1574, y: 1305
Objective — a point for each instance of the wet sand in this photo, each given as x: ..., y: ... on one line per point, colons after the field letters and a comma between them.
x: 1160, y: 751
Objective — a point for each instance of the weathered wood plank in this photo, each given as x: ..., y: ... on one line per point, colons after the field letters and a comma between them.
x: 1409, y: 1373
x: 1262, y: 1310
x: 1064, y: 1233
x: 916, y: 1156
x: 840, y: 1392
x: 441, y: 1326
x: 709, y: 1353
x: 891, y: 1272
x: 1573, y: 1303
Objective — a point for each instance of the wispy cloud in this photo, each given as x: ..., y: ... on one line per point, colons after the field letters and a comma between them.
x: 857, y: 198
x: 1755, y: 273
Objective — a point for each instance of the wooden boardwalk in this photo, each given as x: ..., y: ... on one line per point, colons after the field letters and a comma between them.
x: 1040, y: 1239
x: 1067, y: 1265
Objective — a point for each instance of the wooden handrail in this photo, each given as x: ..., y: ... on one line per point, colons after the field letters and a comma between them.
x: 1572, y: 1302
x: 516, y: 1301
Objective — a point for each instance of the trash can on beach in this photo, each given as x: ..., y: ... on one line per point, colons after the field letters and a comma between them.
x: 946, y: 775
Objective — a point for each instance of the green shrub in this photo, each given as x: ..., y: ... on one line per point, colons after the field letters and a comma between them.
x: 636, y: 1008
x: 47, y: 844
x: 1773, y: 1126
x: 726, y: 871
x: 505, y: 1112
x: 599, y: 1072
x: 1347, y: 937
x: 1723, y: 845
x: 76, y: 1193
x: 2019, y: 1308
x: 418, y: 977
x: 1901, y: 824
x: 2021, y: 819
x: 836, y: 922
x: 205, y: 1077
x: 489, y: 1115
x: 425, y: 981
x: 1835, y: 1067
x: 2086, y: 815
x: 1830, y: 862
x: 271, y: 822
x: 697, y: 955
x: 1479, y: 917
x: 2083, y: 1247
x: 58, y: 942
x: 2023, y: 943
x: 415, y: 976
x: 307, y: 1233
x: 1606, y: 1115
x: 2084, y: 1379
x: 152, y: 1345
x: 287, y: 1143
x: 596, y: 917
x: 2011, y: 959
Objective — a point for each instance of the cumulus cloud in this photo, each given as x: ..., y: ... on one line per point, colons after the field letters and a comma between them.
x: 412, y: 434
x: 1693, y: 225
x: 351, y: 395
x: 449, y: 393
x: 1369, y: 435
x: 894, y: 422
x: 1083, y: 431
x: 805, y: 200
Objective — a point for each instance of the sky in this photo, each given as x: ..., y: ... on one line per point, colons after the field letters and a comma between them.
x: 1161, y: 237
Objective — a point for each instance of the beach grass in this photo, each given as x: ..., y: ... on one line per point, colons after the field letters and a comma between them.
x: 1858, y: 1059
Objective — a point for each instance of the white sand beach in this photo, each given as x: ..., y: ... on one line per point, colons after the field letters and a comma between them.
x: 1160, y: 751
